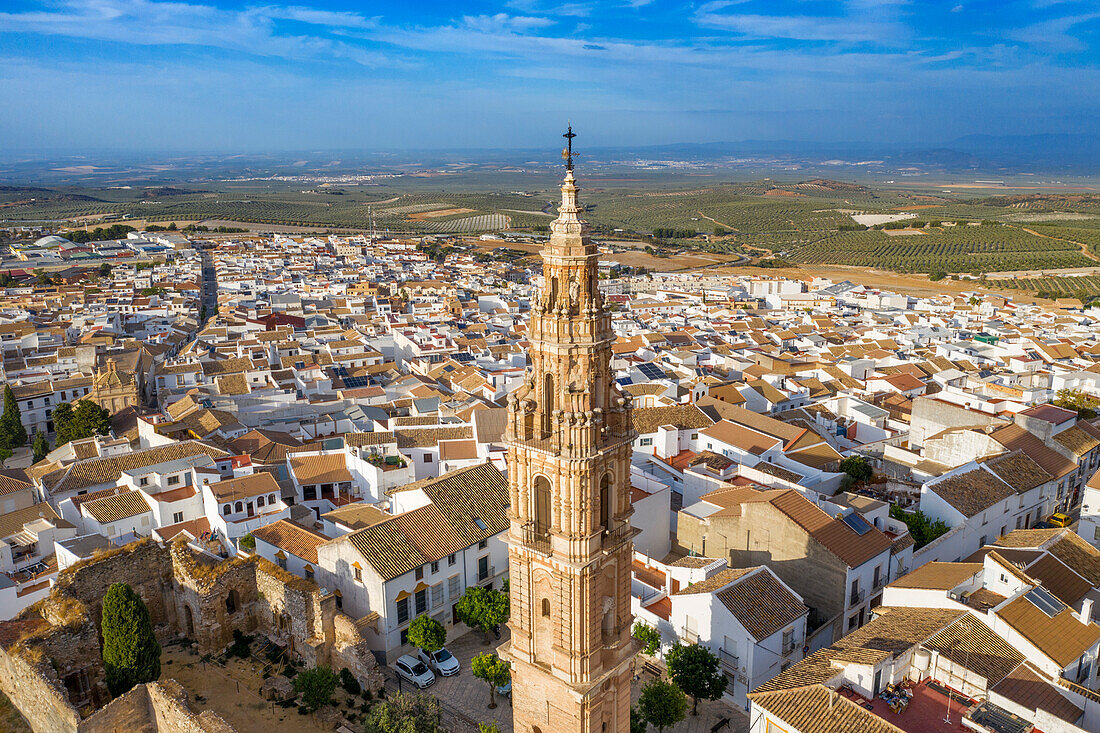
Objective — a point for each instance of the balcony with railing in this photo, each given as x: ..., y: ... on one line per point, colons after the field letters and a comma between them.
x: 487, y: 574
x: 614, y: 538
x: 856, y: 597
x: 535, y: 538
x: 730, y: 661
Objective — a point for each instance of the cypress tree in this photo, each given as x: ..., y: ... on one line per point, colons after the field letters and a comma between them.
x: 12, y: 432
x: 131, y: 654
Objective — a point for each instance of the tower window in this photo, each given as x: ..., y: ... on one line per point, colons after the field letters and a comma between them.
x: 546, y: 607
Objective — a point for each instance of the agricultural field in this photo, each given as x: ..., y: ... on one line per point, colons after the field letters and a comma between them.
x: 958, y: 249
x: 806, y: 222
x: 1083, y: 287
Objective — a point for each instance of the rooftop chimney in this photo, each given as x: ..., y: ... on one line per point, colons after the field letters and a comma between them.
x: 1086, y: 611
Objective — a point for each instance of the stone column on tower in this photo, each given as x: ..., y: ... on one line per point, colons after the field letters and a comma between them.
x: 569, y: 438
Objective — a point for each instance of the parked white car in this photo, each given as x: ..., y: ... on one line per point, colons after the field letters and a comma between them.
x: 441, y: 661
x: 415, y: 671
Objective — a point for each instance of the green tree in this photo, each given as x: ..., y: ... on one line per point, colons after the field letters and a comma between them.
x: 316, y: 686
x: 696, y: 671
x: 638, y: 723
x: 857, y: 467
x: 488, y: 728
x: 83, y: 421
x: 405, y: 713
x: 483, y: 609
x: 105, y: 269
x: 494, y: 670
x: 1084, y: 404
x: 12, y: 432
x: 131, y: 654
x: 649, y: 636
x: 922, y: 529
x: 40, y: 446
x: 662, y: 704
x: 427, y: 633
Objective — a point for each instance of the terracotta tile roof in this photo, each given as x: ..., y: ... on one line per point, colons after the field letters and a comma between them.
x: 244, y: 487
x: 82, y: 474
x: 971, y: 643
x: 762, y: 604
x: 447, y: 525
x: 1017, y: 470
x: 817, y: 709
x: 1026, y: 688
x: 322, y: 469
x: 356, y: 516
x: 1059, y: 579
x: 1062, y: 638
x: 292, y: 538
x: 12, y: 480
x: 972, y: 492
x: 1077, y: 441
x: 1026, y: 537
x: 1014, y: 437
x: 746, y: 439
x: 1079, y: 555
x: 648, y: 419
x: 429, y: 437
x: 938, y: 575
x: 114, y: 508
x: 194, y: 527
x: 13, y: 521
x: 366, y: 439
x: 715, y: 582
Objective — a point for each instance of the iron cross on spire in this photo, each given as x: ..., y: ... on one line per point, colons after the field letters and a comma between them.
x: 568, y: 152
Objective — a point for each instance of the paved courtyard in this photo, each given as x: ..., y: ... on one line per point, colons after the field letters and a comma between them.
x: 465, y: 699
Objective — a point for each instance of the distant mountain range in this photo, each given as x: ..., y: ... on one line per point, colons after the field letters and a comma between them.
x: 993, y: 155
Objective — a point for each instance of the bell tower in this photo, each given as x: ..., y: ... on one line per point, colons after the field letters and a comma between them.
x: 569, y: 440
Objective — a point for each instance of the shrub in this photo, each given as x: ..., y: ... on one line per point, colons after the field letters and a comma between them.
x: 316, y: 686
x: 348, y: 682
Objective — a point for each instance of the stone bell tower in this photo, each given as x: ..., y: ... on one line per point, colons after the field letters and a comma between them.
x: 569, y: 440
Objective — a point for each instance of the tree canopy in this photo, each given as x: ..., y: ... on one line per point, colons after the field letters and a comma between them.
x: 131, y: 654
x: 649, y: 636
x: 404, y: 713
x: 923, y: 529
x: 482, y: 608
x: 494, y: 670
x: 696, y: 671
x: 1084, y: 404
x: 857, y: 467
x: 83, y: 421
x: 427, y: 633
x: 316, y: 686
x: 40, y: 446
x: 662, y: 704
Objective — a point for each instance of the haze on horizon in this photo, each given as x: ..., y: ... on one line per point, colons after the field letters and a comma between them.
x: 210, y: 75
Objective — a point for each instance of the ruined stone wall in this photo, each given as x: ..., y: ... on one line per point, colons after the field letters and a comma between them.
x: 353, y: 651
x: 157, y: 706
x: 144, y: 565
x: 34, y: 688
x: 169, y: 703
x: 212, y: 599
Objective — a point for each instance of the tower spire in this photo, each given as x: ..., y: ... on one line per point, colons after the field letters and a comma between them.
x: 569, y: 436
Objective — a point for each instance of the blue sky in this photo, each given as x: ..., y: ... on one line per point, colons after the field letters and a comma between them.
x: 208, y: 75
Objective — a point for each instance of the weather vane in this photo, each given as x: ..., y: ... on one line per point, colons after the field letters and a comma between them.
x: 567, y: 153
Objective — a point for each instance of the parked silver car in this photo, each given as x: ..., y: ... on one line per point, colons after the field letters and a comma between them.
x: 441, y: 661
x: 415, y: 671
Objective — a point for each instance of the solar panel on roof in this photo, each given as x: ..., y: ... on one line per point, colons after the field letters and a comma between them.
x: 652, y: 371
x: 856, y: 521
x: 356, y: 382
x: 1042, y: 599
